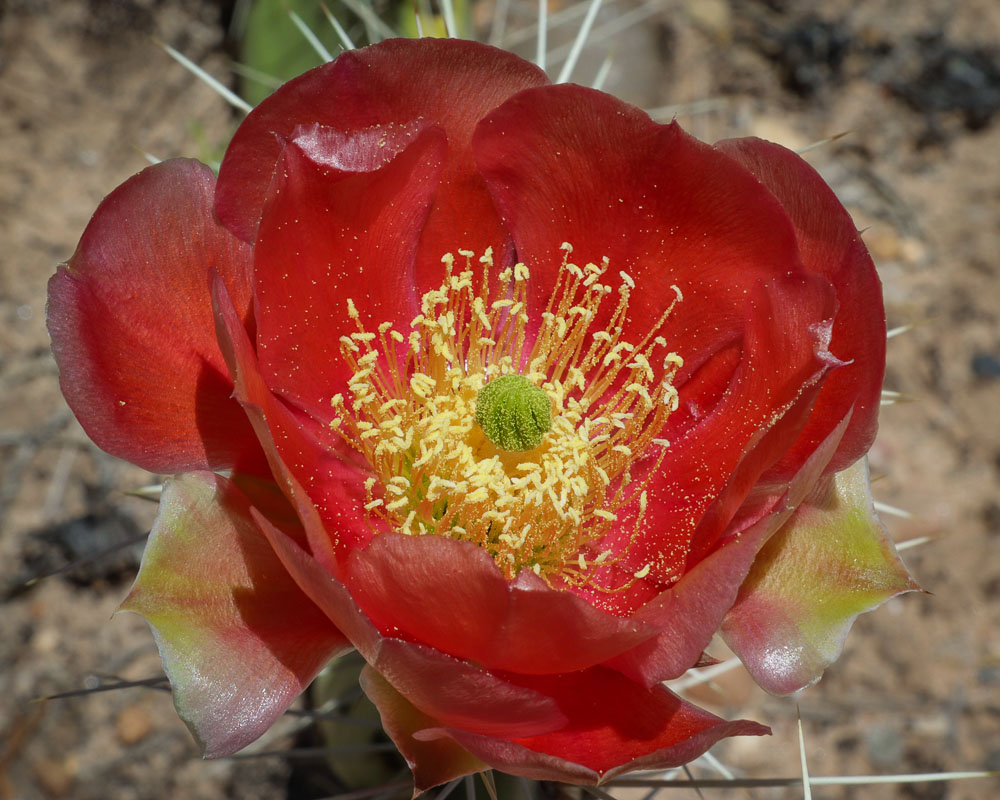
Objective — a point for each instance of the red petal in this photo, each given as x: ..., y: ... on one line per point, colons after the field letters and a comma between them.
x: 131, y: 323
x: 301, y: 454
x: 614, y: 726
x: 456, y: 692
x: 830, y: 245
x: 451, y: 596
x: 432, y: 761
x: 513, y: 758
x: 704, y: 388
x: 471, y: 696
x: 568, y: 164
x: 238, y: 638
x: 740, y: 503
x: 670, y: 210
x: 446, y: 82
x: 771, y: 441
x: 341, y: 222
x: 691, y: 610
x: 719, y: 460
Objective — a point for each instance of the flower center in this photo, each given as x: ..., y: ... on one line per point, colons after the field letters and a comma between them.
x: 514, y: 414
x: 523, y: 449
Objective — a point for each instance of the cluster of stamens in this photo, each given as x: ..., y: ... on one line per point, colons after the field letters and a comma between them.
x: 411, y: 412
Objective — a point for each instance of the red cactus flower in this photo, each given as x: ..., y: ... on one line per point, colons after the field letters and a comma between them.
x: 511, y: 389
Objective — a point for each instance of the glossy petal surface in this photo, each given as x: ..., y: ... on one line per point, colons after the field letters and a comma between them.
x: 830, y: 245
x: 662, y: 206
x: 785, y: 358
x: 238, y: 638
x: 690, y: 611
x: 341, y: 222
x: 130, y: 317
x: 721, y: 457
x: 641, y: 729
x: 472, y: 697
x: 432, y: 761
x: 448, y: 83
x: 829, y: 563
x: 450, y: 595
x: 311, y: 471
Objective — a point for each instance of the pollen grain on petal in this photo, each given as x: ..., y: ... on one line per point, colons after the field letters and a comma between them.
x: 563, y: 502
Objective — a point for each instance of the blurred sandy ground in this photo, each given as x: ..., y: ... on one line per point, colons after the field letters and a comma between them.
x: 917, y: 85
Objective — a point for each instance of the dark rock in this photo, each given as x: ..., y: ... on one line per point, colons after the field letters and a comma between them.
x: 986, y: 365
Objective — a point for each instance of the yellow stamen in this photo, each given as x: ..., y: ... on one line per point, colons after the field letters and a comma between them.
x: 411, y: 413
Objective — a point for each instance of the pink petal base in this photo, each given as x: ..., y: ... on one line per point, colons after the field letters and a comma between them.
x: 831, y: 562
x: 238, y: 638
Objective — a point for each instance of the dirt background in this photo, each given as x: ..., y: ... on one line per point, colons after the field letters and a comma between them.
x: 84, y: 89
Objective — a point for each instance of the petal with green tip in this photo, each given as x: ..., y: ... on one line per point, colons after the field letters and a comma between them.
x: 831, y: 562
x: 238, y: 638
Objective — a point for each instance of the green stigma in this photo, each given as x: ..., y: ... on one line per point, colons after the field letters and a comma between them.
x: 514, y: 413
